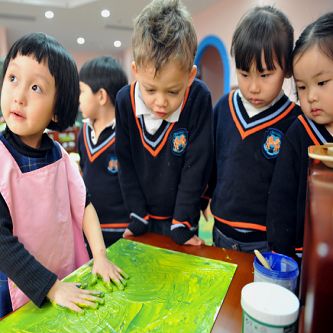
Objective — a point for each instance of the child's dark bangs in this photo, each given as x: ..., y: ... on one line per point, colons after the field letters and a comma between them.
x: 269, y: 55
x: 247, y: 53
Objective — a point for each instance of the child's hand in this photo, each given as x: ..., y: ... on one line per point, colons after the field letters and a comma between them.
x: 195, y: 240
x: 127, y: 233
x: 109, y: 271
x: 68, y: 295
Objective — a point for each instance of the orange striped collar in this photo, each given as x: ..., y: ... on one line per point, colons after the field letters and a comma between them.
x: 155, y: 148
x: 312, y: 130
x: 94, y: 152
x: 246, y: 127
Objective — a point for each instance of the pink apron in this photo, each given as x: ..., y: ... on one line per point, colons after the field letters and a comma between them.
x: 46, y: 206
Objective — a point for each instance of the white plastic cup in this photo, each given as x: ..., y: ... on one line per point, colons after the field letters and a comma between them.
x: 268, y: 308
x: 284, y: 270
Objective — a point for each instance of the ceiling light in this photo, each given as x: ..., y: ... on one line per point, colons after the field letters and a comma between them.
x: 117, y: 43
x: 80, y: 40
x: 49, y: 14
x: 105, y: 13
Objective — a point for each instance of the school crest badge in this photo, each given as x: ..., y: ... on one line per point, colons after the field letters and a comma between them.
x: 179, y: 141
x: 113, y: 164
x: 272, y: 143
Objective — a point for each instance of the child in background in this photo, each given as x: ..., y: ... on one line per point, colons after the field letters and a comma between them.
x: 249, y: 128
x: 43, y: 205
x: 100, y: 80
x: 313, y: 74
x: 164, y: 127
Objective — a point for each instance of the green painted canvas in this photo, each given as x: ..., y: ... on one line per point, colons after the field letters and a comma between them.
x: 167, y: 291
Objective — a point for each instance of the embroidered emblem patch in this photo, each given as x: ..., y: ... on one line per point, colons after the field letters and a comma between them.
x: 179, y: 141
x: 272, y: 142
x: 113, y: 164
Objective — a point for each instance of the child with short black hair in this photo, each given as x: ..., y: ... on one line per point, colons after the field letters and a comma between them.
x: 313, y: 74
x: 250, y: 123
x: 43, y: 203
x: 164, y: 127
x: 100, y: 80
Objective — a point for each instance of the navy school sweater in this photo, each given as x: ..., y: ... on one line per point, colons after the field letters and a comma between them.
x: 163, y: 175
x: 287, y: 198
x: 99, y: 165
x: 246, y: 152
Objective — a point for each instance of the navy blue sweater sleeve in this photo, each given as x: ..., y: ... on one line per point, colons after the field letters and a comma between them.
x: 133, y: 196
x: 198, y: 161
x: 213, y: 175
x: 282, y: 200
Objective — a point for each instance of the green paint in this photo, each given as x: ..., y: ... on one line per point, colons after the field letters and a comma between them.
x: 206, y: 229
x: 166, y: 292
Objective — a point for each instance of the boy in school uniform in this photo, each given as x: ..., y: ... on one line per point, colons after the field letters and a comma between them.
x: 164, y: 127
x: 100, y: 80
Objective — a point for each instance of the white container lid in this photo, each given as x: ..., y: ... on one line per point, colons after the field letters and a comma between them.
x: 270, y: 303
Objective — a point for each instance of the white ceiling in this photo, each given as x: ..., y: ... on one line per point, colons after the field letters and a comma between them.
x: 77, y: 18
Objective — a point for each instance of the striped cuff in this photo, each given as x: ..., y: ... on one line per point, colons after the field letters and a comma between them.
x: 180, y: 233
x: 138, y: 225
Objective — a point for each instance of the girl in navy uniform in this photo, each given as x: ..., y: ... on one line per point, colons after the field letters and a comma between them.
x: 250, y: 123
x: 313, y: 74
x: 43, y: 201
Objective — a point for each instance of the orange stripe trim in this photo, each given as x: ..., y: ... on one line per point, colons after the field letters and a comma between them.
x: 246, y: 133
x: 300, y: 249
x: 114, y: 225
x: 161, y: 145
x: 185, y: 222
x: 233, y: 114
x: 155, y: 217
x: 308, y: 130
x: 93, y: 157
x: 242, y: 225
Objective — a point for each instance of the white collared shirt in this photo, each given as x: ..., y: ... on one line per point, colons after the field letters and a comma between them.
x: 89, y: 123
x: 152, y: 122
x: 251, y: 110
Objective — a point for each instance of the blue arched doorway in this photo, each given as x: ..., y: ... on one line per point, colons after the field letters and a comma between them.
x: 213, y: 66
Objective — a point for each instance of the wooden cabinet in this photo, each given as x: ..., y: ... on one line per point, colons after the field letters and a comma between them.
x: 316, y: 288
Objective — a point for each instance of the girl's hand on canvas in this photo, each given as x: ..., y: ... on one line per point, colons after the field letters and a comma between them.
x: 68, y: 295
x: 104, y: 268
x: 195, y: 240
x: 127, y: 233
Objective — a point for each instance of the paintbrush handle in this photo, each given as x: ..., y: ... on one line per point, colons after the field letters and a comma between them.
x: 262, y: 259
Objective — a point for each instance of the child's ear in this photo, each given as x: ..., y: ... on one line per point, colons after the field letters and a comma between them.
x: 55, y: 118
x: 192, y: 75
x: 134, y: 69
x: 103, y: 96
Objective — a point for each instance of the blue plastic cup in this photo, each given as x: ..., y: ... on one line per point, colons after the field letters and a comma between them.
x: 284, y: 270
